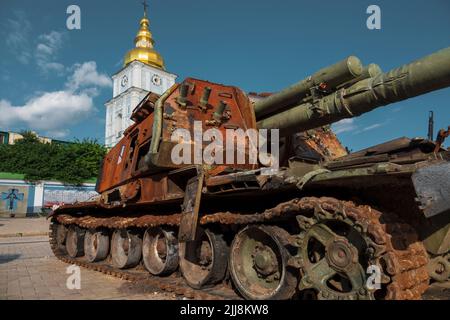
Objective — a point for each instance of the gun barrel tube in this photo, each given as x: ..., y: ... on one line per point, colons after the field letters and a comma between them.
x: 369, y: 71
x: 419, y: 77
x: 334, y: 75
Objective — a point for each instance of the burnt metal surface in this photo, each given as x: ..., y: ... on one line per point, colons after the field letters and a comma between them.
x: 226, y: 107
x: 432, y: 184
x: 325, y: 142
x: 144, y: 108
x: 319, y: 144
x: 402, y: 150
x: 191, y: 206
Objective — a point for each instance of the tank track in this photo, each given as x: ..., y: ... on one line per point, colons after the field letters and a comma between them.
x: 397, y: 250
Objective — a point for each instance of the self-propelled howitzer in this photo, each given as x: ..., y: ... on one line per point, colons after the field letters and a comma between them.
x: 317, y: 227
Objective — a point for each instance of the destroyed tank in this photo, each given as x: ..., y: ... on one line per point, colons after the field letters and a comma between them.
x: 316, y: 222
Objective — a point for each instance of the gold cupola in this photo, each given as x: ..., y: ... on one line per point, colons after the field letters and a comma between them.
x: 143, y: 50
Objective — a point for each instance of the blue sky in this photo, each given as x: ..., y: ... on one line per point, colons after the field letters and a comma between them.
x: 55, y: 81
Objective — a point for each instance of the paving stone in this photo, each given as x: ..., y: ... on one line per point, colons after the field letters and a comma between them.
x: 35, y: 273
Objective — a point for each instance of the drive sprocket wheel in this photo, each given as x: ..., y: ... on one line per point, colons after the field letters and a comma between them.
x: 355, y: 252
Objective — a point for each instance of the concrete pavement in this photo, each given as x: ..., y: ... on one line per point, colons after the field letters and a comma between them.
x: 28, y: 270
x: 19, y: 227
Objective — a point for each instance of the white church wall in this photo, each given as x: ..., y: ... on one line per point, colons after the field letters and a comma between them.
x: 128, y: 94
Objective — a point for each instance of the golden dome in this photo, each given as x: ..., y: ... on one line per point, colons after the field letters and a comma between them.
x: 144, y: 51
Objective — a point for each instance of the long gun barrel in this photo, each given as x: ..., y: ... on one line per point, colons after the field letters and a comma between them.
x: 419, y: 77
x: 332, y: 76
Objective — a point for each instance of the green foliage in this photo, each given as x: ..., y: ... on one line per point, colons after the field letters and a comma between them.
x: 69, y: 163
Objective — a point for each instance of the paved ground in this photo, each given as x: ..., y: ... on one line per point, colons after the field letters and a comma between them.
x: 12, y: 227
x: 28, y: 270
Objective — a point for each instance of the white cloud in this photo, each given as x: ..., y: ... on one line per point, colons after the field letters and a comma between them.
x: 49, y: 111
x: 347, y: 125
x: 53, y: 66
x: 85, y: 75
x: 52, y: 41
x: 344, y: 125
x: 46, y: 52
x: 55, y: 112
x: 373, y: 126
x: 18, y: 40
x: 44, y: 49
x: 17, y: 30
x: 20, y: 43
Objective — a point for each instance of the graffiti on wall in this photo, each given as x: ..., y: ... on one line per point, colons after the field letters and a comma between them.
x: 11, y: 198
x: 64, y: 196
x: 22, y: 198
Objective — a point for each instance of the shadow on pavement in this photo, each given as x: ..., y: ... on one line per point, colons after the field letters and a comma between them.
x: 5, y: 258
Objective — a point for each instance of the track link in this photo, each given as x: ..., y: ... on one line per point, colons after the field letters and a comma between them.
x: 398, y: 251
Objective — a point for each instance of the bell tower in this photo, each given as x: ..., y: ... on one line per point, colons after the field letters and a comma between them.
x: 143, y: 71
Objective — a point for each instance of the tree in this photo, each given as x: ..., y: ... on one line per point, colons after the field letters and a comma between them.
x: 71, y: 163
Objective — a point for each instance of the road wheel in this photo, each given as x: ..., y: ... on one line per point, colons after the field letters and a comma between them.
x: 75, y: 241
x: 126, y: 248
x: 160, y: 251
x: 204, y: 262
x: 96, y: 244
x: 258, y: 264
